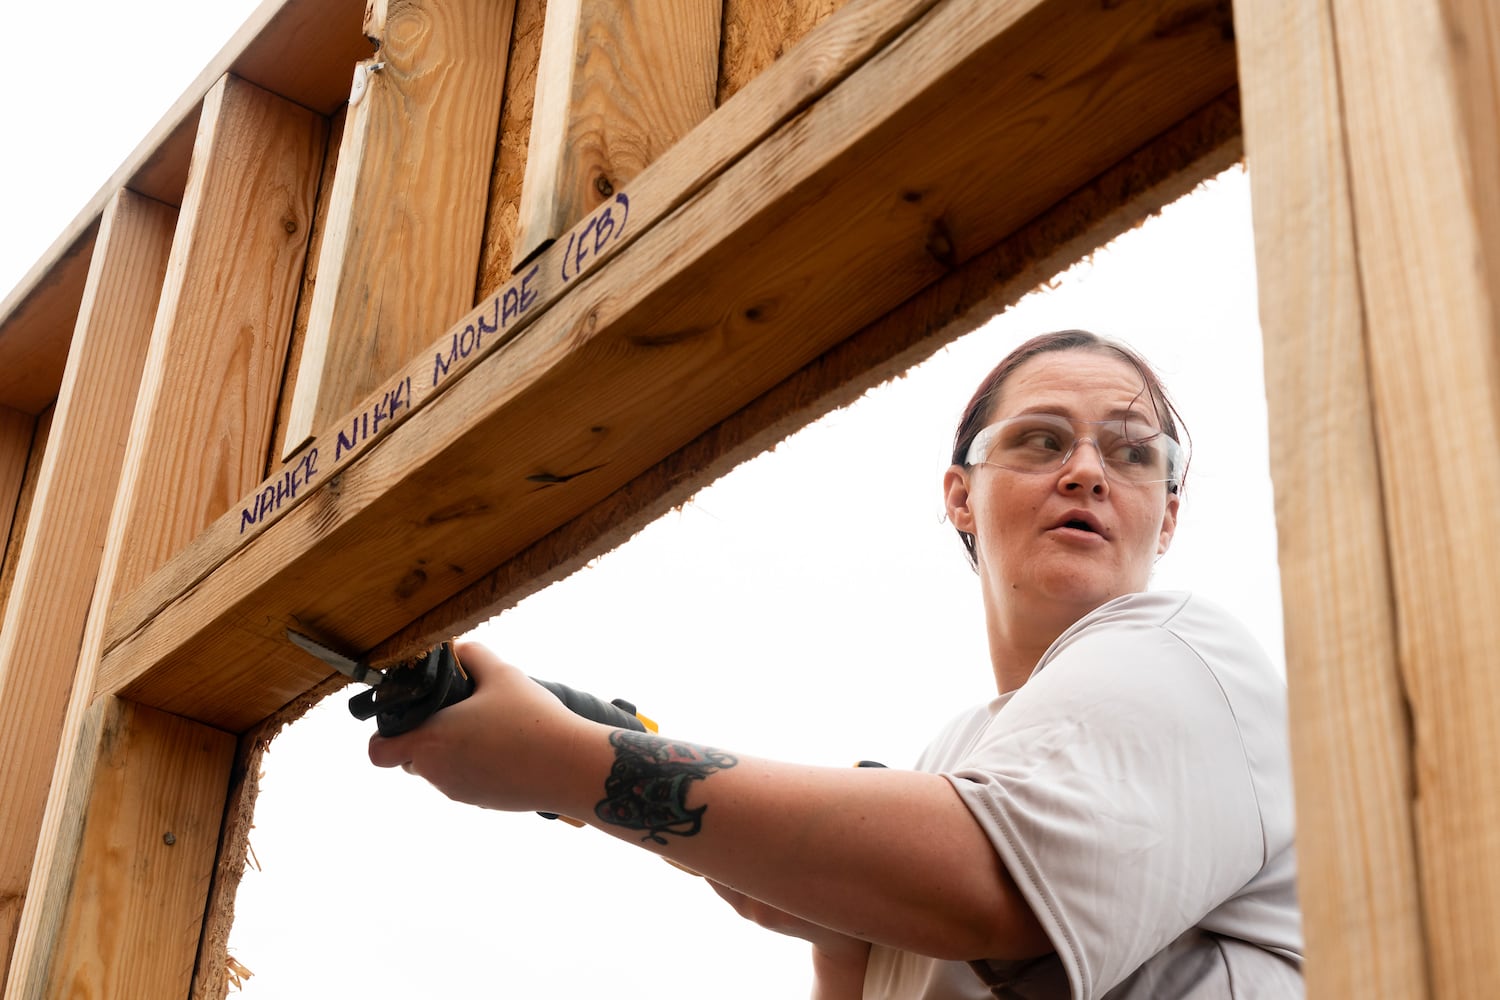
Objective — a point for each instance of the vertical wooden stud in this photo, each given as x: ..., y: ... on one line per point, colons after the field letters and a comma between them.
x: 1352, y: 747
x: 208, y: 398
x: 59, y: 558
x: 1417, y: 81
x: 17, y: 431
x: 406, y: 217
x: 617, y: 85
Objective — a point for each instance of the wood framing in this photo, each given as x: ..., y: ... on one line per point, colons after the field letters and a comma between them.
x: 617, y: 85
x: 398, y: 254
x: 352, y: 417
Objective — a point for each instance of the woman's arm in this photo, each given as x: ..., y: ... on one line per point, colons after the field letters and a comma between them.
x: 879, y: 855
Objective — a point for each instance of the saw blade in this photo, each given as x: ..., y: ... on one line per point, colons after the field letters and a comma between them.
x: 346, y: 665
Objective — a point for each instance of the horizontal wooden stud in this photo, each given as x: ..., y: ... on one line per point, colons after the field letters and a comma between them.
x: 127, y: 921
x: 810, y: 236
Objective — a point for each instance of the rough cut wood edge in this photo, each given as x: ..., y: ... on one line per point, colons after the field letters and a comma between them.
x: 398, y: 258
x: 617, y: 85
x: 302, y: 50
x: 1426, y: 246
x: 1351, y: 737
x: 136, y: 900
x: 1116, y: 201
x: 211, y: 975
x: 826, y: 57
x: 20, y: 510
x: 59, y: 559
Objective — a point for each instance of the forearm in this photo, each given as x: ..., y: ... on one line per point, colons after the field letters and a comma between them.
x: 880, y: 855
x: 839, y: 977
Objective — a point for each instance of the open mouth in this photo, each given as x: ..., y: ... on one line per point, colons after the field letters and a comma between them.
x: 1080, y: 526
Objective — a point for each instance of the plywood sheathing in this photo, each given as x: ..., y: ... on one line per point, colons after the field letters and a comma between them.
x: 759, y: 32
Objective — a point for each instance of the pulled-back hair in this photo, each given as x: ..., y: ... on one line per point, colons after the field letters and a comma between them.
x: 977, y: 414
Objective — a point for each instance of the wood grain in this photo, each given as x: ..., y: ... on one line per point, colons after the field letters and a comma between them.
x: 16, y: 430
x: 59, y: 561
x: 406, y: 216
x: 502, y: 216
x: 209, y: 389
x: 758, y: 32
x: 1424, y: 237
x: 832, y: 52
x: 130, y: 920
x: 617, y: 85
x: 1351, y: 740
x: 823, y: 227
x: 20, y: 507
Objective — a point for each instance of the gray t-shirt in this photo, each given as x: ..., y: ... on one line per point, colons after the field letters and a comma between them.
x: 1138, y: 789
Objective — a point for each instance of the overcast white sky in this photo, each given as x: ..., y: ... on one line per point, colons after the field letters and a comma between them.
x: 810, y: 606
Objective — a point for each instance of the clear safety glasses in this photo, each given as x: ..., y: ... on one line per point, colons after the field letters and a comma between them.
x: 1132, y: 450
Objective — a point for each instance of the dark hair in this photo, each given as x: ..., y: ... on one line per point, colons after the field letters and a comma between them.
x: 977, y: 414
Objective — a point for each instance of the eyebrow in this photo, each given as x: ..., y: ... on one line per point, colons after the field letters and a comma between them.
x: 1118, y: 413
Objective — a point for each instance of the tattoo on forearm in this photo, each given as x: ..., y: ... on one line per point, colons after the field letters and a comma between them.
x: 648, y: 785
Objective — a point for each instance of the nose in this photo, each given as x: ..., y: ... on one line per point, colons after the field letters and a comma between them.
x: 1084, y: 469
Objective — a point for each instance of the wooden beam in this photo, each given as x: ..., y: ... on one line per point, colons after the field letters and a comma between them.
x: 124, y: 921
x: 19, y: 512
x: 406, y: 216
x: 208, y: 393
x: 59, y: 562
x: 818, y: 230
x: 16, y: 431
x: 1352, y: 741
x: 302, y: 50
x: 1417, y: 85
x: 618, y: 84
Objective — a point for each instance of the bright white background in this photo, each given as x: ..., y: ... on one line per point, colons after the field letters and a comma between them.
x: 810, y: 606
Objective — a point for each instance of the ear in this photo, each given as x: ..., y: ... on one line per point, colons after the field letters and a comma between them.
x: 956, y: 498
x: 1168, y: 524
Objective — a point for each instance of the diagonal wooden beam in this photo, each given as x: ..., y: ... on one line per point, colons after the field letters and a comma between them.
x: 817, y: 230
x: 59, y: 559
x: 405, y: 220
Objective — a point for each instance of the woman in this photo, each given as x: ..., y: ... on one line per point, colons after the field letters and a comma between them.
x: 1116, y: 821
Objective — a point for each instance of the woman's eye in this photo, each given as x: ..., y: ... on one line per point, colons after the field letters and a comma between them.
x: 1042, y: 440
x: 1134, y: 454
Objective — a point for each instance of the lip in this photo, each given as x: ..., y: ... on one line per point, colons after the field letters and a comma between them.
x: 1095, y: 527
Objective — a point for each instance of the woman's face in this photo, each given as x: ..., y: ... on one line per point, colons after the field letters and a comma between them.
x: 1071, y: 539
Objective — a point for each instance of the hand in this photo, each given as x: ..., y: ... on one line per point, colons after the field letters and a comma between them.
x: 503, y: 747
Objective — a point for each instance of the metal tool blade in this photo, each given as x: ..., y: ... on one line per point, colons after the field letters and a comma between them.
x: 348, y: 666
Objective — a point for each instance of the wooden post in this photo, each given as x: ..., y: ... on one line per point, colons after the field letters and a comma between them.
x: 214, y: 363
x: 1370, y: 140
x: 59, y: 558
x: 618, y: 84
x: 405, y: 220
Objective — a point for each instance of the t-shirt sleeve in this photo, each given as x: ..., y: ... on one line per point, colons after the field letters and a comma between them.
x: 1114, y: 786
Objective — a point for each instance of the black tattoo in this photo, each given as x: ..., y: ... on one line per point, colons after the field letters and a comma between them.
x: 647, y: 787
